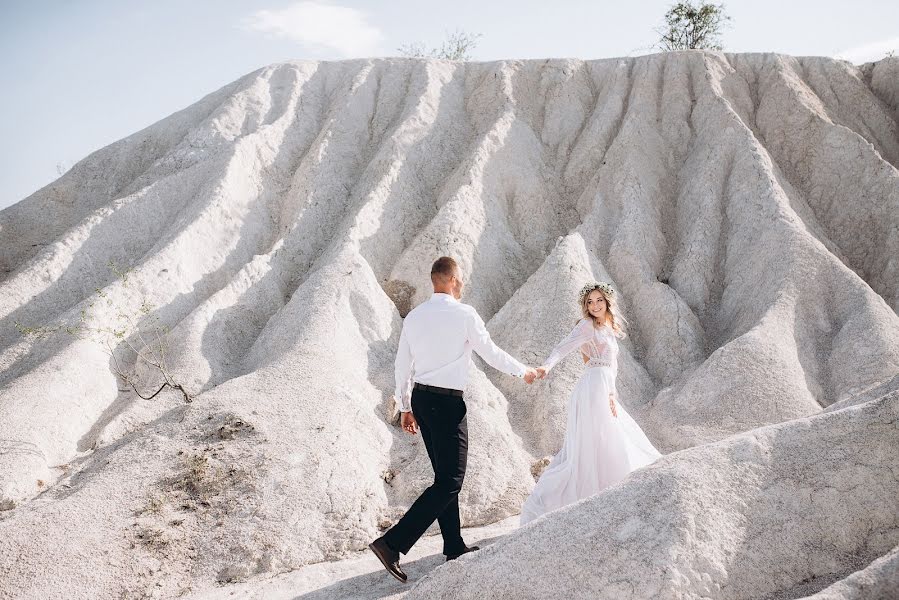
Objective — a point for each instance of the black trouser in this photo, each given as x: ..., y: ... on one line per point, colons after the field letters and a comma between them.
x: 444, y: 429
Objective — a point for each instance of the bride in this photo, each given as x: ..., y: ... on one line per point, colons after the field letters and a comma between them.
x: 602, y: 442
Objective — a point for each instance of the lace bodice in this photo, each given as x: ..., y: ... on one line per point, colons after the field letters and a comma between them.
x: 600, y: 344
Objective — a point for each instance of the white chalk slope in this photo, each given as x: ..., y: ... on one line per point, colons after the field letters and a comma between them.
x: 746, y: 207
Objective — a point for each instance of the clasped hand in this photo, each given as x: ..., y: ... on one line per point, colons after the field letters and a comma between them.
x: 532, y: 374
x: 410, y: 425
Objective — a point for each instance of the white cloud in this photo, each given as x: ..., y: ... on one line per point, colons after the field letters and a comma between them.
x: 323, y: 27
x: 870, y: 52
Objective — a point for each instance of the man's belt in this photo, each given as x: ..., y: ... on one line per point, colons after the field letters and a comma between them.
x: 437, y: 390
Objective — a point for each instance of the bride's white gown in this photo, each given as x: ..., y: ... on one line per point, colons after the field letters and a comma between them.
x: 599, y: 448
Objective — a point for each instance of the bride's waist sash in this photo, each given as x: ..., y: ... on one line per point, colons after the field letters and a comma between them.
x: 599, y: 362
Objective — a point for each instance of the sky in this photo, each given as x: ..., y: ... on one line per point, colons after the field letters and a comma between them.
x: 79, y: 75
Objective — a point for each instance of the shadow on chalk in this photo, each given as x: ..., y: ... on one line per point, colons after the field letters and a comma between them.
x: 380, y: 583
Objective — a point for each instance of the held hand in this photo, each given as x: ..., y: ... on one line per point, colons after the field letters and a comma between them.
x: 541, y: 372
x: 407, y: 420
x: 529, y: 376
x: 612, y: 404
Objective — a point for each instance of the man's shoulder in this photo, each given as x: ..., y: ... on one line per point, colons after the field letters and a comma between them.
x: 467, y: 309
x: 427, y: 306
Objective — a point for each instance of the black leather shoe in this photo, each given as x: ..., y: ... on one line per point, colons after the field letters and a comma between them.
x: 468, y: 549
x: 389, y: 558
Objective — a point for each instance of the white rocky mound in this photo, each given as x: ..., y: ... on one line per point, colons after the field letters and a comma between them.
x: 746, y: 207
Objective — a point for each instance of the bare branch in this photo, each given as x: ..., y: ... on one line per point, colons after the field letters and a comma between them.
x: 131, y: 328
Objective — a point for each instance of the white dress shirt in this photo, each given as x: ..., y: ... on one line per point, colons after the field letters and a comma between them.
x: 435, y: 347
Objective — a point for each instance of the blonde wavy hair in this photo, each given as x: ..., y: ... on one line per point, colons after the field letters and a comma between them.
x: 613, y: 314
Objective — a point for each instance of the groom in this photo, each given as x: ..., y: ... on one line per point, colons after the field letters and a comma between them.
x: 432, y: 365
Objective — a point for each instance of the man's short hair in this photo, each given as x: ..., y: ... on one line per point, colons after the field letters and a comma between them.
x: 443, y: 268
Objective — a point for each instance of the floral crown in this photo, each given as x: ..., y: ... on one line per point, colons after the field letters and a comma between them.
x: 605, y: 287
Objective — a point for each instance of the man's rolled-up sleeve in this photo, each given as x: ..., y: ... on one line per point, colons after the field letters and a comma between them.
x: 403, y: 369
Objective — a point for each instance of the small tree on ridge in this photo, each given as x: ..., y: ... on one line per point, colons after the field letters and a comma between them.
x: 690, y: 26
x: 458, y: 46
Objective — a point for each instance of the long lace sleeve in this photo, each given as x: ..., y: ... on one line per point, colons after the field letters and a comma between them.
x: 581, y: 334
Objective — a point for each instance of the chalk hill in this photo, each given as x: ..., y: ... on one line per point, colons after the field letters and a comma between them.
x: 745, y: 206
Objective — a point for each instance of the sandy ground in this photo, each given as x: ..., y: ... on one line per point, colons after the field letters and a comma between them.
x: 357, y: 577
